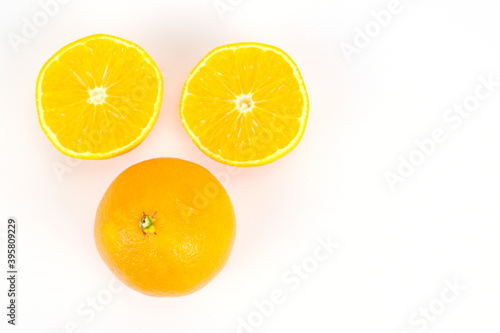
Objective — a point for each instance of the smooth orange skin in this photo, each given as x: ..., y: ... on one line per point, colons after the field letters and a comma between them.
x: 195, y: 227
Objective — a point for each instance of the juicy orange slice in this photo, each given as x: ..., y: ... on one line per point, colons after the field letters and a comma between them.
x: 245, y: 104
x: 98, y: 97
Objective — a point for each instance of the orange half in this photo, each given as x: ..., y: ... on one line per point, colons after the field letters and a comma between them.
x: 98, y: 97
x: 245, y: 104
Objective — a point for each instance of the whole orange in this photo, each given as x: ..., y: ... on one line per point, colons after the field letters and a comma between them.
x: 165, y: 227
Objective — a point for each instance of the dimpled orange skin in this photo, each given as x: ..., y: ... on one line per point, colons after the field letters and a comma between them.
x: 194, y: 224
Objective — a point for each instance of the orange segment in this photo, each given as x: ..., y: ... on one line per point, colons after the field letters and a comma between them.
x: 98, y: 97
x: 245, y: 104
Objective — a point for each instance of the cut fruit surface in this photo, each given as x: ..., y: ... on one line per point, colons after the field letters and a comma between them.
x: 245, y: 104
x: 98, y: 97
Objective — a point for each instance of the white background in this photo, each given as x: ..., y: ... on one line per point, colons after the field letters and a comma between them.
x: 397, y: 248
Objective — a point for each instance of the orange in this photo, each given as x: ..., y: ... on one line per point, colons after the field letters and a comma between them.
x: 245, y: 104
x: 165, y: 227
x: 98, y: 97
